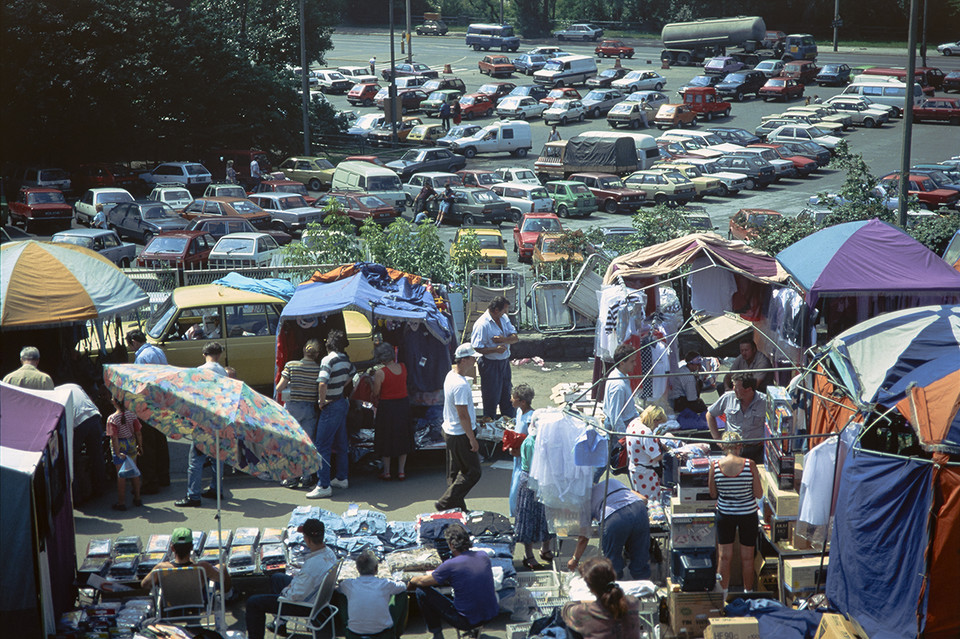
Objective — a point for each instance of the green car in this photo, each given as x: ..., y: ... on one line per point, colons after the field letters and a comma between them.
x: 431, y: 106
x: 572, y: 198
x: 316, y: 173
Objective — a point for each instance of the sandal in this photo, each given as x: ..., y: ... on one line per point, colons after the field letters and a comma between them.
x: 531, y: 564
x: 385, y: 477
x: 401, y: 476
x: 119, y: 506
x: 137, y: 502
x: 547, y: 555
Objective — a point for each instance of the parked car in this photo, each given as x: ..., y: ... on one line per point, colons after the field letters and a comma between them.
x: 803, y: 71
x: 190, y: 174
x: 85, y: 209
x: 949, y: 48
x: 218, y: 226
x: 526, y: 232
x: 417, y: 160
x: 745, y: 223
x: 809, y: 150
x: 46, y: 178
x: 803, y: 133
x: 426, y: 134
x: 652, y: 100
x: 770, y: 68
x: 606, y: 77
x: 640, y: 80
x: 217, y: 190
x: 383, y: 135
x: 722, y: 65
x: 671, y: 116
x: 629, y: 114
x: 803, y: 165
x: 951, y: 82
x: 36, y: 205
x: 546, y: 252
x: 781, y: 89
x: 432, y: 27
x: 520, y: 108
x: 663, y: 187
x: 938, y: 110
x: 358, y: 75
x: 760, y: 173
x: 473, y: 206
x: 729, y: 183
x: 478, y: 178
x: 516, y: 174
x: 289, y: 212
x: 581, y: 31
x: 571, y: 198
x: 548, y: 50
x: 363, y: 94
x: 613, y: 49
x: 704, y: 184
x: 529, y: 63
x: 923, y: 188
x: 524, y: 198
x: 493, y: 252
x: 496, y: 90
x: 330, y: 81
x: 736, y: 85
x: 359, y: 207
x: 561, y: 93
x: 408, y: 99
x: 437, y: 180
x: 228, y: 207
x: 315, y: 172
x: 284, y: 186
x: 431, y: 106
x: 705, y: 103
x: 457, y: 132
x: 615, y: 240
x: 476, y: 105
x: 611, y: 194
x: 564, y: 111
x: 178, y: 249
x: 535, y: 91
x: 833, y: 74
x: 599, y: 101
x: 366, y: 124
x: 700, y: 81
x: 409, y: 69
x: 239, y: 250
x: 823, y: 115
x: 443, y: 84
x: 12, y: 234
x: 142, y: 219
x: 734, y: 135
x: 496, y: 65
x: 94, y: 176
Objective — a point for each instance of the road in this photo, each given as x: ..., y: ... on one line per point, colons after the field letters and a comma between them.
x: 880, y: 147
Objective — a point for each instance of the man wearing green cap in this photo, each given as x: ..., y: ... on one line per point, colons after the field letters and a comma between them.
x: 182, y: 542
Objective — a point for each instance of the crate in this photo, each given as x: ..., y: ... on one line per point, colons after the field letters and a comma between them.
x: 549, y: 604
x: 541, y: 580
x: 518, y: 630
x: 690, y: 611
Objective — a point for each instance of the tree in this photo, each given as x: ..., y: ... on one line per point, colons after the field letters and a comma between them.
x: 418, y: 250
x: 655, y: 226
x: 334, y: 242
x: 465, y: 255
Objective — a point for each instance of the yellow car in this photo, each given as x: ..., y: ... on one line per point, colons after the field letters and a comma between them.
x: 545, y: 252
x: 316, y: 173
x: 493, y: 252
x: 426, y: 134
x: 244, y: 322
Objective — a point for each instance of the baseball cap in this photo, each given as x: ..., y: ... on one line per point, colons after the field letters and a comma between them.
x: 312, y: 528
x: 465, y: 350
x: 181, y: 536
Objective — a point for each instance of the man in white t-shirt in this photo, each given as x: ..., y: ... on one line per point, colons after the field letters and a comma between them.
x: 459, y: 421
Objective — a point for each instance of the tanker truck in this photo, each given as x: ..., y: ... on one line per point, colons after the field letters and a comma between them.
x: 689, y: 43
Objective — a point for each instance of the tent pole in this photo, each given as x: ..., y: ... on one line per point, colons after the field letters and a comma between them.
x: 223, y: 564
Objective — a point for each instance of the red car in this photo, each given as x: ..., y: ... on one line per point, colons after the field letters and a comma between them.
x: 611, y: 194
x: 283, y: 186
x: 804, y: 166
x: 781, y: 88
x: 706, y: 102
x: 562, y: 93
x: 938, y: 110
x: 743, y: 225
x: 496, y: 65
x: 35, y: 206
x: 613, y: 49
x: 220, y: 226
x: 526, y: 233
x: 478, y: 178
x: 925, y: 190
x: 363, y: 94
x: 360, y: 207
x: 803, y: 71
x: 474, y: 105
x: 372, y: 159
x: 179, y: 249
x: 496, y: 90
x: 92, y: 176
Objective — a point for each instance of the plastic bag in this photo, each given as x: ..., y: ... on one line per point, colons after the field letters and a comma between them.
x: 129, y: 469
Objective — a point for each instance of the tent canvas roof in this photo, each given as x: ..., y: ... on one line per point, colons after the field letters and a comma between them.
x: 26, y: 422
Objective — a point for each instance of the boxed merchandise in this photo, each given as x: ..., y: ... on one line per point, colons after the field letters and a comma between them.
x: 129, y: 545
x: 695, y: 495
x: 124, y: 567
x: 158, y: 543
x: 693, y: 530
x: 690, y: 612
x: 779, y: 410
x: 678, y: 507
x: 272, y: 536
x: 781, y: 529
x: 766, y: 571
x: 804, y: 573
x: 272, y: 558
x: 148, y: 561
x: 834, y: 626
x: 733, y: 628
x: 779, y: 462
x: 246, y: 536
x: 783, y: 503
x: 694, y: 569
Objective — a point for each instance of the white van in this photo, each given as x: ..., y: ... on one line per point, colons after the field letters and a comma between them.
x: 647, y: 151
x: 510, y: 136
x: 368, y: 177
x: 893, y: 94
x: 566, y: 71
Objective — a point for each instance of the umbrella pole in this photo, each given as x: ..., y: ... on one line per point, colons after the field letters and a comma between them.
x: 223, y: 563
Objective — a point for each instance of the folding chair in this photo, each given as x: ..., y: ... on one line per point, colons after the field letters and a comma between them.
x: 184, y: 596
x: 322, y: 612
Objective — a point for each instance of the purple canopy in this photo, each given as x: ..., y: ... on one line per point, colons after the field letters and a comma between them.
x: 867, y: 258
x: 27, y: 420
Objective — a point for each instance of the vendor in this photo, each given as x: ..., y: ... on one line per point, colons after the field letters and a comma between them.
x: 685, y: 385
x: 492, y: 335
x: 626, y: 529
x: 745, y: 411
x: 750, y: 359
x: 182, y: 542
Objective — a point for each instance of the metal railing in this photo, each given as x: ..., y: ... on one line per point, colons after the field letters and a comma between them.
x: 155, y: 281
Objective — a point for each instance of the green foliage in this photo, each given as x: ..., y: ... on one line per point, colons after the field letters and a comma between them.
x: 935, y: 231
x: 465, y: 255
x: 780, y: 233
x: 656, y: 225
x: 417, y: 250
x: 334, y: 242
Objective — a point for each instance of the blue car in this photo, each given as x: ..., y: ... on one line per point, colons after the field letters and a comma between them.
x: 833, y: 75
x: 535, y: 91
x: 529, y: 62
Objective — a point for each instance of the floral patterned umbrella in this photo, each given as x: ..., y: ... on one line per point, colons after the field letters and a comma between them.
x: 255, y: 434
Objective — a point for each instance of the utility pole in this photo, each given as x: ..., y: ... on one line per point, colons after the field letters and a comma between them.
x: 393, y: 83
x: 923, y: 36
x: 409, y: 36
x: 501, y: 11
x: 908, y: 116
x: 836, y: 24
x: 304, y: 83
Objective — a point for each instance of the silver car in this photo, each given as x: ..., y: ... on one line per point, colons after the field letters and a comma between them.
x: 106, y: 243
x: 289, y: 212
x: 599, y: 101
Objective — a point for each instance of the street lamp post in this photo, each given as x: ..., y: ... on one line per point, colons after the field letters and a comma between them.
x: 908, y: 116
x: 393, y: 83
x: 304, y: 83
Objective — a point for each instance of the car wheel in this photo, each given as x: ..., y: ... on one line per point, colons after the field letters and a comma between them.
x: 469, y: 115
x: 124, y: 263
x: 469, y: 220
x: 622, y: 55
x: 315, y: 185
x: 563, y: 121
x: 610, y: 206
x: 660, y: 198
x: 659, y: 86
x: 955, y: 121
x: 739, y: 97
x: 521, y: 153
x: 749, y: 184
x: 562, y: 211
x: 515, y: 216
x: 476, y: 47
x: 559, y: 38
x: 869, y: 123
x: 580, y: 118
x: 709, y: 115
x: 722, y: 190
x: 726, y: 113
x: 683, y: 59
x: 595, y: 113
x: 470, y: 152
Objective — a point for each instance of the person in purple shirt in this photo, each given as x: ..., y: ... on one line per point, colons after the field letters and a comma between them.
x: 471, y: 575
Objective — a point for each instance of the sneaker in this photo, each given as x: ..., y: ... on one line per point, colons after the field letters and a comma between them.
x: 280, y: 629
x: 186, y: 502
x: 340, y: 483
x: 319, y: 492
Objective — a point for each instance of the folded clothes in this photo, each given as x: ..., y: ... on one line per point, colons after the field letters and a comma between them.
x: 365, y: 522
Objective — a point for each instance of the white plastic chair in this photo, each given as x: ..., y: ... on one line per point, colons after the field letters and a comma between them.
x: 322, y: 612
x: 185, y: 596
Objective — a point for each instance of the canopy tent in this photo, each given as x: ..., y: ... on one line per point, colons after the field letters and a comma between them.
x: 46, y: 284
x: 36, y: 508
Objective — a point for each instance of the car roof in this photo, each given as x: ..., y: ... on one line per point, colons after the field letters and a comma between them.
x: 85, y: 232
x: 482, y: 231
x: 270, y: 195
x: 186, y: 233
x: 39, y: 189
x: 518, y: 185
x: 201, y: 294
x: 245, y: 235
x: 225, y: 199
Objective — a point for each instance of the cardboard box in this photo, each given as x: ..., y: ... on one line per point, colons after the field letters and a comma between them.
x: 767, y: 574
x: 801, y: 574
x: 833, y: 626
x: 779, y: 463
x: 694, y: 495
x: 784, y: 503
x: 690, y: 612
x: 781, y: 530
x: 678, y: 507
x: 733, y: 628
x: 694, y: 530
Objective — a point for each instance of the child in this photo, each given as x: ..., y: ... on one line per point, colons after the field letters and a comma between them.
x: 369, y: 611
x: 531, y: 521
x: 123, y: 428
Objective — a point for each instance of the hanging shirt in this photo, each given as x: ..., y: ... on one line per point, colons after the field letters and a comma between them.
x: 817, y: 486
x: 711, y: 289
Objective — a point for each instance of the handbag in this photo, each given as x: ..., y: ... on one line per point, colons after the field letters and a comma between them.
x: 619, y: 457
x: 129, y: 469
x: 512, y: 440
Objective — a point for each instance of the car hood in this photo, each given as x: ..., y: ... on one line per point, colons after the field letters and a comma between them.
x: 728, y: 85
x: 50, y: 206
x: 168, y: 224
x: 400, y: 164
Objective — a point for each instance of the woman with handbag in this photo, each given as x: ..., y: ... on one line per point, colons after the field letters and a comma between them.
x: 126, y: 443
x: 393, y: 429
x: 530, y: 524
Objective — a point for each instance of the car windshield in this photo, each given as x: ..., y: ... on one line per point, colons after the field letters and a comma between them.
x: 562, y: 105
x: 523, y: 175
x: 444, y: 180
x: 816, y: 131
x: 553, y: 65
x: 485, y: 197
x: 760, y: 219
x: 621, y: 108
x: 536, y: 194
x: 54, y: 174
x: 556, y: 93
x: 157, y: 212
x: 195, y: 169
x: 436, y: 95
x: 294, y: 202
x: 292, y: 187
x: 596, y: 95
x: 716, y: 62
x: 323, y: 164
x: 490, y: 242
x: 384, y: 183
x: 413, y: 154
x: 245, y: 206
x: 467, y: 100
x: 367, y: 121
x: 578, y: 188
x: 608, y: 73
x: 773, y: 82
x: 668, y: 109
x: 510, y: 103
x: 610, y: 183
x: 700, y: 81
x: 222, y: 191
x: 830, y: 68
x: 233, y: 245
x: 160, y: 318
x: 49, y: 197
x: 735, y: 77
x: 371, y: 202
x: 162, y: 244
x: 486, y: 178
x: 488, y: 88
x: 77, y: 240
x: 767, y: 64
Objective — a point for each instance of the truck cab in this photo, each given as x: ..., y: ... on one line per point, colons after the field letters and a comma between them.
x: 799, y: 46
x: 706, y: 103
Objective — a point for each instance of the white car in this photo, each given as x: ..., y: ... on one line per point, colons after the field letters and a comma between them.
x: 770, y: 68
x: 176, y: 195
x: 524, y: 198
x: 512, y: 174
x: 520, y: 108
x: 581, y: 31
x: 358, y: 75
x: 652, y: 100
x: 366, y: 123
x: 640, y: 80
x: 563, y: 111
x: 244, y: 249
x: 333, y: 81
x: 94, y: 200
x: 47, y: 179
x: 803, y: 133
x: 186, y: 173
x: 949, y: 48
x: 892, y: 203
x: 860, y: 99
x: 289, y: 212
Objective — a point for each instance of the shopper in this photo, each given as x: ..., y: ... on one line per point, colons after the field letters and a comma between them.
x: 521, y: 397
x: 735, y: 483
x: 336, y: 372
x: 123, y: 429
x: 28, y: 375
x: 685, y: 385
x: 376, y: 607
x: 619, y: 408
x: 531, y: 520
x: 393, y: 429
x: 613, y: 615
x: 300, y: 376
x: 643, y: 460
x: 491, y: 337
x: 459, y: 422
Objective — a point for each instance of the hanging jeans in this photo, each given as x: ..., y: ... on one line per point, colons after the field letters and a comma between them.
x: 331, y: 438
x: 495, y: 386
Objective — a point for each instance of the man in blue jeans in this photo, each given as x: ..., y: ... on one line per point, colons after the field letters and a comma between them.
x: 492, y: 335
x: 471, y: 575
x: 331, y: 438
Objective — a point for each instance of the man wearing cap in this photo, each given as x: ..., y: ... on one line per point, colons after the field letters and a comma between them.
x: 182, y: 542
x: 685, y: 386
x: 619, y: 408
x: 303, y: 587
x: 28, y: 376
x: 492, y: 335
x: 459, y: 421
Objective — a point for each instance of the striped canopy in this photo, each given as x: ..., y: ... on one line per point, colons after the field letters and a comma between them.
x: 47, y: 284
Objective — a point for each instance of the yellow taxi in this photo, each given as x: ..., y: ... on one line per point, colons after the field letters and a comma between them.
x: 426, y: 134
x: 493, y: 252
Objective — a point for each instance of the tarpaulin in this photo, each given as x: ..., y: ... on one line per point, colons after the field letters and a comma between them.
x: 268, y: 286
x: 591, y: 151
x: 943, y: 616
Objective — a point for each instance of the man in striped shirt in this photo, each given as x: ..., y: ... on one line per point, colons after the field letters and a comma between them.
x: 335, y: 372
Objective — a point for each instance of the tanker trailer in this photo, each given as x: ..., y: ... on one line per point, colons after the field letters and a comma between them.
x: 688, y: 43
